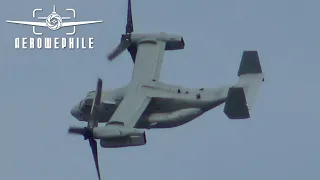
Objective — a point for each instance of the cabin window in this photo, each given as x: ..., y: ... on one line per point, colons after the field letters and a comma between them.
x: 179, y: 91
x: 201, y: 89
x: 198, y: 96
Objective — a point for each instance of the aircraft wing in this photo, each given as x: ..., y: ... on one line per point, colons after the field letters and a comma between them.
x: 131, y: 107
x: 148, y: 61
x: 132, y: 49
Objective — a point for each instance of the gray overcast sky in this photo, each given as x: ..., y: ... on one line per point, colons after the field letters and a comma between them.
x: 280, y: 141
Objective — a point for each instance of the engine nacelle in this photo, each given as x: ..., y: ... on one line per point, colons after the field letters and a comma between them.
x: 115, y: 130
x: 126, y: 141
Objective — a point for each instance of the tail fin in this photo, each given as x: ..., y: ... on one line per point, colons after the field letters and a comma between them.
x: 241, y: 97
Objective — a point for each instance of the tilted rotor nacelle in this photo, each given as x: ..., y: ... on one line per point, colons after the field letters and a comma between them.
x: 114, y: 131
x: 115, y: 135
x: 173, y: 42
x: 137, y: 140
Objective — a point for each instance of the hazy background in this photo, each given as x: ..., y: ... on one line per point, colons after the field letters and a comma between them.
x: 280, y: 141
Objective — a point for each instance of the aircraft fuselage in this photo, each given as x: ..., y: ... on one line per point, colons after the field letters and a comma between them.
x: 171, y: 105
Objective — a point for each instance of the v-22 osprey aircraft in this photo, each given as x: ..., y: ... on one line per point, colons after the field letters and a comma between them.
x: 148, y: 103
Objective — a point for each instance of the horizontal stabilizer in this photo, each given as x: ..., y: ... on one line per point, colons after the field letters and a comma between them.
x: 236, y: 104
x: 175, y: 45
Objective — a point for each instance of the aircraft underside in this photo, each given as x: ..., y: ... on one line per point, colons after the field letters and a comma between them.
x: 161, y: 113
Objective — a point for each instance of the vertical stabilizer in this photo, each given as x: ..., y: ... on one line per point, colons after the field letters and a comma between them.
x: 241, y: 97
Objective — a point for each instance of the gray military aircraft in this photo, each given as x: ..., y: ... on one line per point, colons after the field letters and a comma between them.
x: 147, y: 103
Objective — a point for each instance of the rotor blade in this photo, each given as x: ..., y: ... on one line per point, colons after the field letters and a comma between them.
x: 119, y: 49
x: 76, y: 130
x: 129, y: 26
x: 95, y: 104
x: 94, y: 149
x: 85, y: 132
x: 97, y: 98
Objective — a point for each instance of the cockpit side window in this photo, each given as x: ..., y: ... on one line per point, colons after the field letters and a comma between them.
x: 84, y: 108
x: 80, y: 104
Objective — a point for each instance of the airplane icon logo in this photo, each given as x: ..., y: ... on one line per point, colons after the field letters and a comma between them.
x: 54, y: 21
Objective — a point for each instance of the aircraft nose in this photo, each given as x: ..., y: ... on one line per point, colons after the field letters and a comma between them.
x: 75, y: 112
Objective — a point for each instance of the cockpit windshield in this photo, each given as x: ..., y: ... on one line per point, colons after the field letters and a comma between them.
x: 85, y: 108
x: 80, y: 104
x: 91, y: 92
